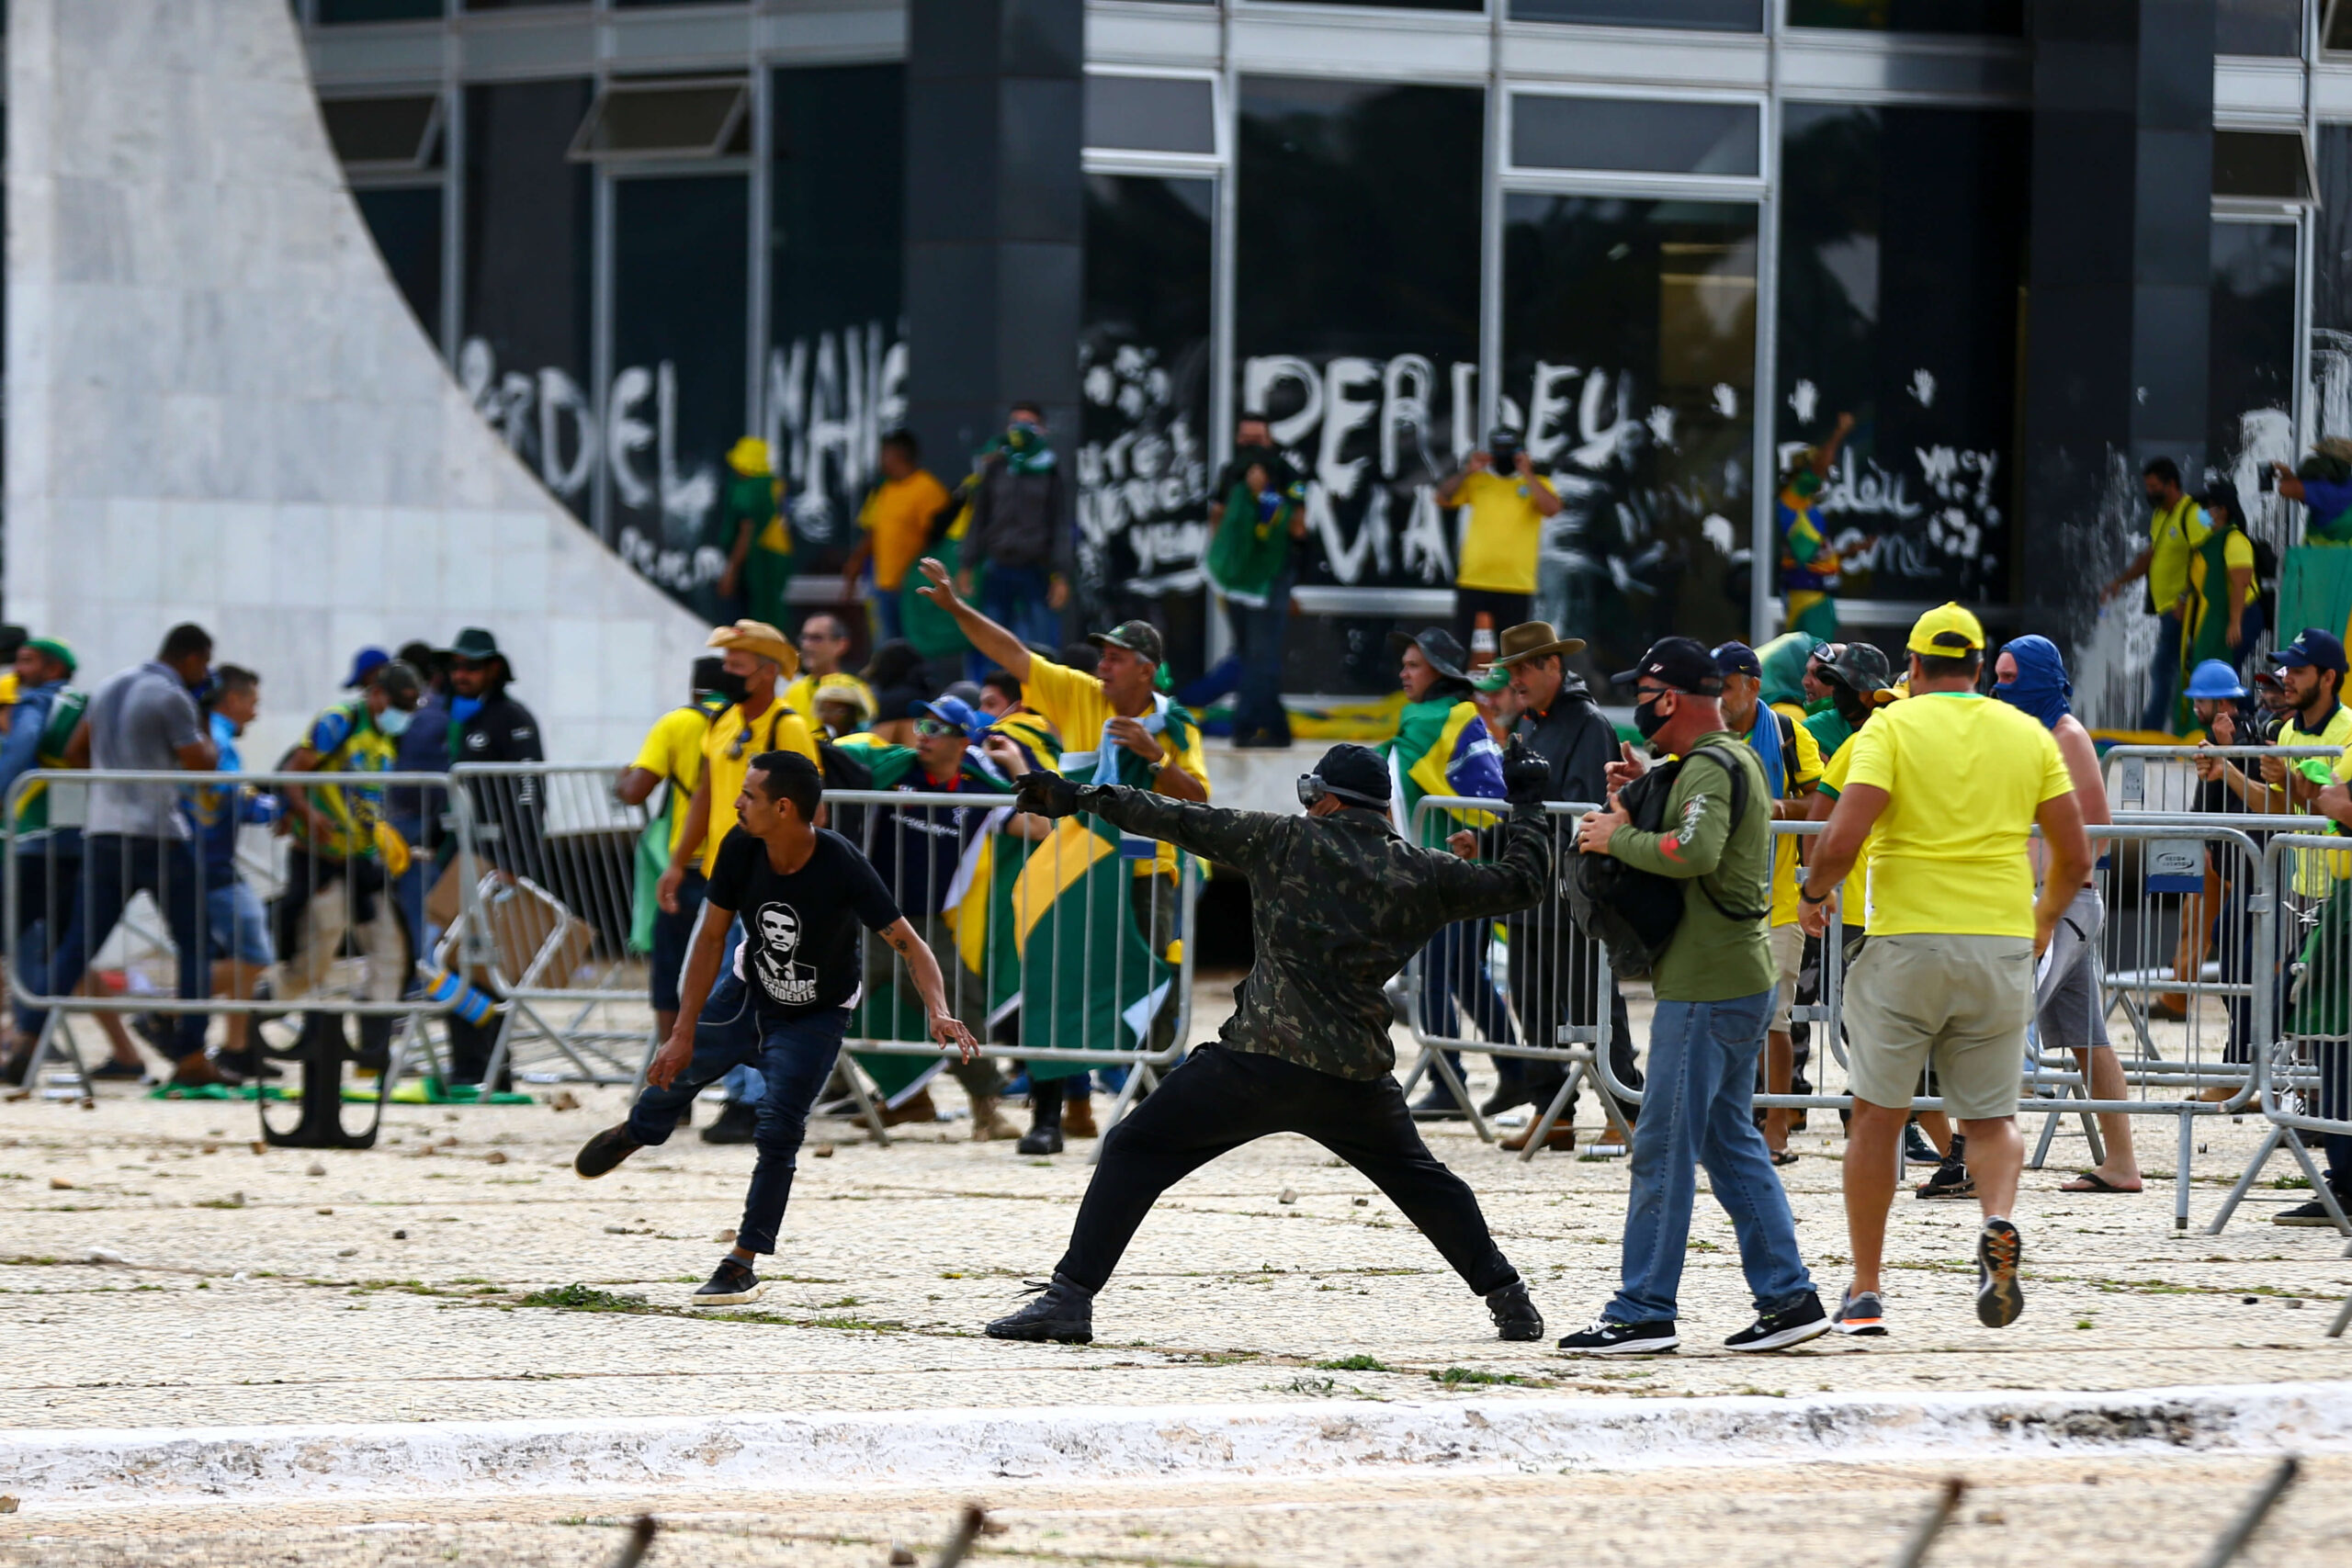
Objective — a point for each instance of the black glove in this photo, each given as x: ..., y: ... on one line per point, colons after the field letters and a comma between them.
x: 1527, y: 777
x: 1046, y: 795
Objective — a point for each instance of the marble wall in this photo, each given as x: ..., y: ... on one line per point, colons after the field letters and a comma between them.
x: 220, y: 408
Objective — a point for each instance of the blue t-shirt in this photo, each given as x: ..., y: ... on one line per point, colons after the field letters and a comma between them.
x: 216, y: 811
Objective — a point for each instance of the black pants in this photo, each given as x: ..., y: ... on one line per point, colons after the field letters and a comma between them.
x: 1556, y: 979
x: 1221, y: 1098
x: 1503, y: 610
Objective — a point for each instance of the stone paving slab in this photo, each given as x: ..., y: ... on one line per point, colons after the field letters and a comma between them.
x: 2056, y: 1513
x: 246, y: 1303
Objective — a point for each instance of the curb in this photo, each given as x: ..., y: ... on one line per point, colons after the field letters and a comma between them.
x: 69, y: 1468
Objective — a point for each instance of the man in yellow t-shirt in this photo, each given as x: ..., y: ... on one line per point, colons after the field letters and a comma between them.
x: 892, y: 526
x: 672, y: 756
x: 1947, y: 784
x: 2176, y: 526
x: 1508, y: 502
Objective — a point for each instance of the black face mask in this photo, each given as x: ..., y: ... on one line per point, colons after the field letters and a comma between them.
x: 1647, y: 719
x: 729, y: 687
x: 1850, y: 705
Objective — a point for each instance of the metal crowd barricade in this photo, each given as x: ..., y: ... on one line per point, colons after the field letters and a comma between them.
x: 562, y: 907
x: 2303, y: 1056
x: 1552, y: 1001
x: 249, y: 896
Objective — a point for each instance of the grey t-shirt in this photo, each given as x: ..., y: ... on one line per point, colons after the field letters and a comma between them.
x: 140, y: 719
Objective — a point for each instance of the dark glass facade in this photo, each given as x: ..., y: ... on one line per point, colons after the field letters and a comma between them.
x: 1995, y: 16
x: 407, y: 225
x: 1902, y: 261
x: 2250, y: 390
x: 1729, y: 15
x: 1144, y: 441
x: 1628, y: 353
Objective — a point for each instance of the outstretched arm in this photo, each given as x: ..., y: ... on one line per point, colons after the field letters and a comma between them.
x: 930, y: 986
x: 993, y: 641
x: 1234, y: 838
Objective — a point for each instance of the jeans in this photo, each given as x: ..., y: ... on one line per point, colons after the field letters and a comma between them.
x: 889, y: 613
x: 2163, y: 675
x: 795, y: 1057
x: 239, y: 927
x: 1220, y: 1099
x: 1014, y: 598
x: 408, y: 889
x: 1698, y: 1110
x: 1258, y: 634
x: 115, y: 867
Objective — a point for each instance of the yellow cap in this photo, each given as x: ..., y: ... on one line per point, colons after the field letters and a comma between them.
x: 748, y: 456
x: 849, y: 689
x: 1946, y: 631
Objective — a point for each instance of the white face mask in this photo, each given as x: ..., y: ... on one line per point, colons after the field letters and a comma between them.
x: 394, y: 722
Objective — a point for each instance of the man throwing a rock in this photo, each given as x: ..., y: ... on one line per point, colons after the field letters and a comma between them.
x: 1338, y: 903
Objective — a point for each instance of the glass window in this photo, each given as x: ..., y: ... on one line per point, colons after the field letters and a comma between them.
x: 665, y: 119
x: 2265, y: 165
x: 1629, y: 364
x: 2250, y: 391
x: 1553, y: 132
x: 384, y: 133
x: 1142, y: 468
x: 1721, y: 16
x: 513, y: 4
x: 1356, y: 327
x: 406, y: 226
x: 836, y: 369
x: 1902, y: 263
x: 333, y: 11
x: 1403, y: 4
x: 526, y: 285
x: 2258, y: 27
x: 681, y: 296
x: 2331, y: 223
x: 1153, y: 114
x: 1996, y: 16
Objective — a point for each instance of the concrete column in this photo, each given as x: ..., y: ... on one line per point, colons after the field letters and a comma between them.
x: 995, y: 214
x: 2117, y: 313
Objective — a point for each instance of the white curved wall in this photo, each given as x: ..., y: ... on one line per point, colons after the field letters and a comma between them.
x: 221, y: 409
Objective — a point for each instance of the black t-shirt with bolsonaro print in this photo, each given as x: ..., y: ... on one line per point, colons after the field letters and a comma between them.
x: 800, y: 953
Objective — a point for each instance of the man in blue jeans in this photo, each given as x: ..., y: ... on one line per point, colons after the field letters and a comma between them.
x: 1714, y: 983
x: 1023, y: 536
x: 783, y: 1003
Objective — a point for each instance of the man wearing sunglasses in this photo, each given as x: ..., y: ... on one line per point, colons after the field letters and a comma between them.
x: 1339, y: 902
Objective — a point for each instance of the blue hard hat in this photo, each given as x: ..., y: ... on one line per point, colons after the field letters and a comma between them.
x: 2214, y: 681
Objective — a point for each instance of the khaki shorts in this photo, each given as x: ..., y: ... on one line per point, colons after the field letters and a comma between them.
x: 1961, y: 1002
x: 1788, y: 957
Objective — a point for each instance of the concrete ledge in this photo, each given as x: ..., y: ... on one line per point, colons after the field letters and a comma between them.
x: 67, y: 1469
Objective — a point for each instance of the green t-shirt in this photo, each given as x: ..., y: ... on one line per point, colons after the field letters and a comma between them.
x: 1713, y: 957
x: 1252, y: 544
x: 1829, y: 729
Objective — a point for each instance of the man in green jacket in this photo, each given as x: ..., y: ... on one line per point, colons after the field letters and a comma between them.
x: 1714, y: 985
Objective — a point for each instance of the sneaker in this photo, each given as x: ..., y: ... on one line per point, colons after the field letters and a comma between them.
x: 1950, y: 1181
x: 1514, y: 1313
x: 110, y: 1068
x: 604, y: 1151
x: 1436, y: 1105
x: 730, y: 1282
x: 2313, y: 1213
x: 1917, y: 1150
x: 1999, y: 1297
x: 1860, y: 1313
x: 1063, y: 1314
x: 249, y: 1064
x: 737, y: 1120
x: 1040, y: 1141
x: 1603, y: 1338
x: 1779, y: 1330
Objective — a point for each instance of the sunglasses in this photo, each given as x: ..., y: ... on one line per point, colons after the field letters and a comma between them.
x: 935, y: 728
x: 736, y: 748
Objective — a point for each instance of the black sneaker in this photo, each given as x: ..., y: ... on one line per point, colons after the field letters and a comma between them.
x: 249, y: 1064
x: 1999, y: 1297
x: 1861, y: 1312
x: 1063, y: 1314
x: 1507, y: 1097
x: 1039, y: 1141
x: 1515, y: 1316
x: 1607, y: 1338
x: 737, y: 1120
x: 1917, y: 1150
x: 1437, y: 1103
x: 1779, y: 1330
x: 604, y: 1151
x: 1950, y: 1180
x: 133, y: 1071
x: 730, y: 1282
x: 2313, y: 1213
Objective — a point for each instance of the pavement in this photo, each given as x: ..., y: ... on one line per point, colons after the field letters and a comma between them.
x: 459, y: 1273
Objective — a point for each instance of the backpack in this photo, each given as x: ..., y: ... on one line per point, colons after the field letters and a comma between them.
x: 1633, y: 913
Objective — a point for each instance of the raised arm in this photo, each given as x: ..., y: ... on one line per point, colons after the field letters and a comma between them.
x: 993, y: 641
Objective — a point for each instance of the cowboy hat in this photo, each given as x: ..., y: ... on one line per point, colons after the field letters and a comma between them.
x: 1533, y: 639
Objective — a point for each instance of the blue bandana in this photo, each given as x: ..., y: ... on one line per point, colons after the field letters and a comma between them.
x: 2042, y: 688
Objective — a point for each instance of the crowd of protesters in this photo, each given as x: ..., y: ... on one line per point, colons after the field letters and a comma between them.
x: 1958, y: 834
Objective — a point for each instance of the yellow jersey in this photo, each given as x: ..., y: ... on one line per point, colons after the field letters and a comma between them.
x: 1505, y: 531
x: 728, y: 749
x: 672, y: 753
x: 1076, y: 705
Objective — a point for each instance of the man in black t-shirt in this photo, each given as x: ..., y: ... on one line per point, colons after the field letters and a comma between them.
x: 784, y: 1003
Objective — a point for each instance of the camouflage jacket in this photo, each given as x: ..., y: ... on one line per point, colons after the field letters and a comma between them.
x: 1337, y: 905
